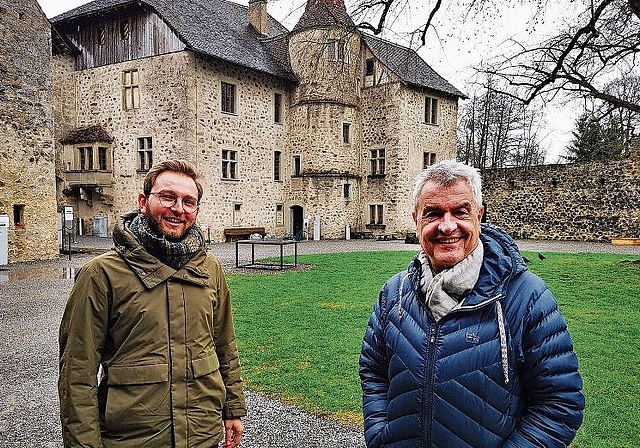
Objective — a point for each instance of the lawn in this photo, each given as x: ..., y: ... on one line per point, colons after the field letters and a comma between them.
x: 300, y: 333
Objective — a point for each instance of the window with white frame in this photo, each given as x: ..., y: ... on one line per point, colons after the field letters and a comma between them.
x: 431, y: 110
x: 376, y: 214
x: 378, y: 161
x: 145, y: 153
x: 277, y: 165
x: 130, y: 89
x: 229, y: 164
x: 428, y: 159
x: 228, y: 97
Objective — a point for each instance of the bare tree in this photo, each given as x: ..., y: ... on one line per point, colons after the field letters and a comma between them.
x: 601, y: 45
x: 496, y: 131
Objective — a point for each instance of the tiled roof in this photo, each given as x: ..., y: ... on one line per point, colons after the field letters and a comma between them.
x: 409, y: 66
x: 216, y: 28
x: 87, y: 135
x: 319, y: 13
x: 221, y: 29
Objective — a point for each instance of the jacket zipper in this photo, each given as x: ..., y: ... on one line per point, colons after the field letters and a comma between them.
x: 429, y: 371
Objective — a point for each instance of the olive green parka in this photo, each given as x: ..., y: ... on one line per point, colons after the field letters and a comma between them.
x: 164, y: 343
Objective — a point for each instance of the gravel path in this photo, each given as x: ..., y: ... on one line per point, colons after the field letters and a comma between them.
x: 32, y: 298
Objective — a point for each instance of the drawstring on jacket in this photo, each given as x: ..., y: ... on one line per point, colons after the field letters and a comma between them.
x: 503, y: 342
x: 504, y: 354
x: 400, y: 296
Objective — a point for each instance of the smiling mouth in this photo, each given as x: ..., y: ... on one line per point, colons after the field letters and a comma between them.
x: 173, y: 220
x: 448, y: 240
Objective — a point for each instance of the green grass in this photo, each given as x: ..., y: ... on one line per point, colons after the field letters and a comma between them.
x: 300, y: 333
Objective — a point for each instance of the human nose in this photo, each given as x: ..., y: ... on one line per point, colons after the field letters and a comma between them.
x: 178, y: 206
x: 448, y: 224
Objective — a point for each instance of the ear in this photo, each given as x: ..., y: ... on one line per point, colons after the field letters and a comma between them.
x: 142, y: 202
x: 480, y: 213
x: 415, y: 217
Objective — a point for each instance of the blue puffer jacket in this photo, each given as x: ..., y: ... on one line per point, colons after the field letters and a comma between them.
x: 499, y: 371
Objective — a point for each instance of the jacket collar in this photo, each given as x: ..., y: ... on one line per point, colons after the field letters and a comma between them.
x: 502, y: 260
x: 148, y: 268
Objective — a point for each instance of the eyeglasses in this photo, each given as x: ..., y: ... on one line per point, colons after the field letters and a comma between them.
x: 168, y: 200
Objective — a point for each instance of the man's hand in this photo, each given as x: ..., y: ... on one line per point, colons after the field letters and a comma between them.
x: 233, y: 429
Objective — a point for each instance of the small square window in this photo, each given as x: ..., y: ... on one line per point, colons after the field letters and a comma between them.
x: 277, y: 108
x: 277, y: 156
x: 346, y: 133
x: 145, y: 153
x: 370, y: 67
x: 376, y: 214
x: 18, y: 216
x: 229, y: 164
x: 378, y: 162
x: 428, y: 159
x: 228, y: 97
x: 297, y: 165
x: 431, y: 110
x: 130, y: 89
x: 346, y: 191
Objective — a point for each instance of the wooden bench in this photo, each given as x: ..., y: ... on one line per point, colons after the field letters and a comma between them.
x: 241, y: 233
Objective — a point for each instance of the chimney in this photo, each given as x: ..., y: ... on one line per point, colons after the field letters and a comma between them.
x: 258, y: 15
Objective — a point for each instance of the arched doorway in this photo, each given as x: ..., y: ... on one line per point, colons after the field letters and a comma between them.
x: 297, y: 221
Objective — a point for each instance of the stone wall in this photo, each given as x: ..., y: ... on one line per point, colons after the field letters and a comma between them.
x: 27, y: 157
x: 581, y: 202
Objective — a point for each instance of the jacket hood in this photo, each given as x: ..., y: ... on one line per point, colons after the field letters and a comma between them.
x: 502, y: 261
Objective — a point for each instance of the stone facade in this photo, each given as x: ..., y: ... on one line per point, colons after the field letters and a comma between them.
x: 27, y: 157
x: 596, y: 201
x: 286, y: 170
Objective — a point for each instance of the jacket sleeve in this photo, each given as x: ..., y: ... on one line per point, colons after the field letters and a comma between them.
x: 227, y: 351
x: 549, y: 371
x: 374, y: 375
x: 82, y: 337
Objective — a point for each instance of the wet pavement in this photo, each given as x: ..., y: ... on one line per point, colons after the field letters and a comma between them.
x: 32, y: 299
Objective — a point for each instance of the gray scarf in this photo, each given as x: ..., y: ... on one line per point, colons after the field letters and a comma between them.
x: 172, y: 253
x: 444, y: 291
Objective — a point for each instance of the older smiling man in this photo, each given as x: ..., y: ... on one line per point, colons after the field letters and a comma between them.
x: 466, y: 348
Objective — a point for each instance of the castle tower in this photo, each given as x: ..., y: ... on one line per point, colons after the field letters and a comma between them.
x: 324, y: 50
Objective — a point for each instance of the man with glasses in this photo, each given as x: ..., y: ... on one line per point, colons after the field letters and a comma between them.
x: 148, y: 355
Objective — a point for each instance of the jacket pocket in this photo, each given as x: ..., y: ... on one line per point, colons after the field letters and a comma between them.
x: 145, y: 374
x: 204, y: 366
x: 137, y: 400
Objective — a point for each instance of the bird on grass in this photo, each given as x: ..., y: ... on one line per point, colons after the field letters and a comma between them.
x: 540, y: 256
x: 526, y: 260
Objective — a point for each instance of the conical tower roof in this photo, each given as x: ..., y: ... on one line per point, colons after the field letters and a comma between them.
x: 321, y: 13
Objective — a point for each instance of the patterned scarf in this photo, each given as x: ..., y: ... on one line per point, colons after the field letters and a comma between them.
x: 172, y: 253
x: 444, y: 291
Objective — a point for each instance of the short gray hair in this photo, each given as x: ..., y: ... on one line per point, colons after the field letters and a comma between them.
x: 446, y: 173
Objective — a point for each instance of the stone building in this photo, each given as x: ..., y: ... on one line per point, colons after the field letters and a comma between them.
x: 27, y: 153
x: 322, y: 122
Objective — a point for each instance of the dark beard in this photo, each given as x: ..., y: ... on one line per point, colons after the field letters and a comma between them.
x: 154, y: 225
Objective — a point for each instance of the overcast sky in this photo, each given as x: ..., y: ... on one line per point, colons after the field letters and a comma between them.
x: 459, y: 45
